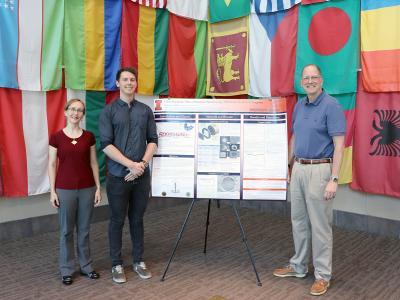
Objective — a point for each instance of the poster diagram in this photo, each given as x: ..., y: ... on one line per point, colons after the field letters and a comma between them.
x: 221, y: 149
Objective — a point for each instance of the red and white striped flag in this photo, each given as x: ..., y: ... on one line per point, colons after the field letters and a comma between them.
x: 26, y: 121
x: 152, y: 3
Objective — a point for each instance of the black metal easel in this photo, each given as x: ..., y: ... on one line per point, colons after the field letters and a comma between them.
x: 179, y: 237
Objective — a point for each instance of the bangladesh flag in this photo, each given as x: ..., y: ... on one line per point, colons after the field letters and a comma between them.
x: 328, y: 36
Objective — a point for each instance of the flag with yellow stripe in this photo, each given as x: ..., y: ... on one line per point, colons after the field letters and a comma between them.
x: 92, y: 44
x: 144, y: 46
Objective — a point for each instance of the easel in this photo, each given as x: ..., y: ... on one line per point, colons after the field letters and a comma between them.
x: 179, y: 237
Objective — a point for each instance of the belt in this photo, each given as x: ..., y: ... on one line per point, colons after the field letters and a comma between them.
x: 305, y: 161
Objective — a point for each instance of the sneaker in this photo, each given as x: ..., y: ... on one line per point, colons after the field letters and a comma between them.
x: 141, y: 270
x: 118, y: 274
x: 288, y: 271
x: 319, y: 287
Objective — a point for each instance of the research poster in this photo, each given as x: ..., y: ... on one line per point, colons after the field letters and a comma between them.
x: 221, y: 149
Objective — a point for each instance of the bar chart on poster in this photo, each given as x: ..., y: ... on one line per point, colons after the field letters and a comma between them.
x: 221, y: 149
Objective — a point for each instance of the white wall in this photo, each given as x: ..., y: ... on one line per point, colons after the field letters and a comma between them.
x: 347, y: 200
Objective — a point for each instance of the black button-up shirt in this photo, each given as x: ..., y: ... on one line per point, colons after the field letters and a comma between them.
x: 129, y: 129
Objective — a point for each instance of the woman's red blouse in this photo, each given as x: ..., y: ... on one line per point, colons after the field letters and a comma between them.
x: 74, y: 170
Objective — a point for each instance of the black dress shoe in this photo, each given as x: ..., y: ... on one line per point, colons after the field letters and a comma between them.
x: 67, y: 280
x: 91, y: 275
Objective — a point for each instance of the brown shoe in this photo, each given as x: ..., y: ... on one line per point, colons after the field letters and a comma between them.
x: 319, y: 287
x: 288, y: 271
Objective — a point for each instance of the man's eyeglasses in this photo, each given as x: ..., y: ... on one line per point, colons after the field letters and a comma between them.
x: 313, y: 78
x: 76, y: 110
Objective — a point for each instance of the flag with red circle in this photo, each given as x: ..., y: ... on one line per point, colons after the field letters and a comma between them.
x: 328, y: 36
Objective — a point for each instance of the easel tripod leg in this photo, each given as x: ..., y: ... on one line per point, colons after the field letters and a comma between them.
x: 178, y: 238
x: 245, y: 242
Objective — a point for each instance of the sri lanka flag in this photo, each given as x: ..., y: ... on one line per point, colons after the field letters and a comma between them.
x: 380, y: 45
x: 31, y: 44
x: 273, y: 39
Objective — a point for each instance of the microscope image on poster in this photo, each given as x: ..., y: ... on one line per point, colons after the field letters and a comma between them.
x: 228, y: 183
x: 208, y: 132
x: 229, y: 147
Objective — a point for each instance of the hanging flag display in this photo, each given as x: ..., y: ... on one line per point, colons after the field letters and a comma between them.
x: 273, y: 39
x: 31, y: 44
x: 329, y: 46
x: 186, y: 49
x: 222, y: 10
x: 152, y: 3
x: 192, y: 9
x: 380, y: 45
x: 267, y: 6
x: 92, y: 44
x: 376, y: 160
x: 227, y: 70
x: 144, y: 46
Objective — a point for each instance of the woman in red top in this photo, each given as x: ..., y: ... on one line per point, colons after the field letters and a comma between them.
x: 74, y: 189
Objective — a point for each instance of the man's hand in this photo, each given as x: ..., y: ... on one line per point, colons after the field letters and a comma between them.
x: 136, y: 168
x: 330, y: 190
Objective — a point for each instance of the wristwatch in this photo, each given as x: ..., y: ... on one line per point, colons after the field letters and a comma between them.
x: 146, y: 164
x: 334, y: 179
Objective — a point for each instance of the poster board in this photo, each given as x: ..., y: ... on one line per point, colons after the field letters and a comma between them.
x: 221, y: 149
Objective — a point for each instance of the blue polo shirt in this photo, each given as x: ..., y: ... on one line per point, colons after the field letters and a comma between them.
x: 314, y: 125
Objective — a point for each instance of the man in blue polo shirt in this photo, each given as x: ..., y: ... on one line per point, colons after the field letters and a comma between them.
x: 315, y: 151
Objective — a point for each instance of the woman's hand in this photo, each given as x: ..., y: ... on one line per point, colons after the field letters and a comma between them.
x: 54, y: 199
x: 97, y: 197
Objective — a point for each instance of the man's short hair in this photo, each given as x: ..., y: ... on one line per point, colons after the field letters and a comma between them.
x: 314, y: 65
x: 126, y: 69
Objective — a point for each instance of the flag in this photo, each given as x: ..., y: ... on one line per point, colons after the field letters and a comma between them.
x: 273, y: 39
x: 222, y: 10
x: 31, y: 44
x: 348, y: 102
x: 376, y: 162
x: 192, y: 9
x: 267, y: 6
x: 328, y: 36
x: 306, y: 2
x: 380, y: 45
x: 27, y: 119
x: 152, y: 3
x: 94, y: 101
x: 186, y: 51
x: 144, y: 46
x: 227, y: 66
x: 92, y: 44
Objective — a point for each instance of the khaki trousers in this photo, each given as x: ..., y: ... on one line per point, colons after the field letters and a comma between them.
x: 311, y: 219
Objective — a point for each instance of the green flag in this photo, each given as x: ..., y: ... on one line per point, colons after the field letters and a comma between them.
x: 328, y: 36
x: 222, y: 10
